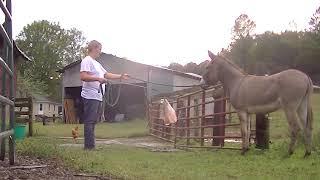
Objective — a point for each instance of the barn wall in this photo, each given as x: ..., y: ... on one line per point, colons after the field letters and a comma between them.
x: 71, y: 77
x: 161, y: 77
x: 179, y: 80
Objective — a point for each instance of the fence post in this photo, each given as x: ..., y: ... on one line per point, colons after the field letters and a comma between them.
x: 203, y: 118
x: 219, y: 107
x: 262, y: 131
x: 30, y: 116
x: 150, y: 116
x: 188, y: 120
x: 176, y: 124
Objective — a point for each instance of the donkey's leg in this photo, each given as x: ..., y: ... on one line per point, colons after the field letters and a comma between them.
x: 292, y: 119
x: 243, y: 116
x: 307, y: 128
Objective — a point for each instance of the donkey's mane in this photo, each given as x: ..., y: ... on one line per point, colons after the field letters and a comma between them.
x: 232, y: 64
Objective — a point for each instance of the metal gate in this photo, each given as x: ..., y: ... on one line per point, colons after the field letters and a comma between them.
x: 7, y: 93
x: 205, y: 120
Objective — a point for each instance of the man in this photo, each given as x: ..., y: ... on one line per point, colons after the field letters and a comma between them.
x: 92, y: 75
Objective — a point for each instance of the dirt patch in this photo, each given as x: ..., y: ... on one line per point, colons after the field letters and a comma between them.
x: 27, y: 167
x: 147, y: 142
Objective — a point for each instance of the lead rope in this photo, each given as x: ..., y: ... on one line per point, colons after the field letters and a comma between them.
x: 108, y: 98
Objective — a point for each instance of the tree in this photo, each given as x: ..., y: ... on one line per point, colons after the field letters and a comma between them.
x: 242, y: 41
x: 243, y: 27
x: 191, y: 67
x: 51, y: 47
x: 315, y: 21
x: 75, y: 49
x: 176, y: 67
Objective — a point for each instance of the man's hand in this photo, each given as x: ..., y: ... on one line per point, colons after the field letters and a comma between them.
x: 124, y: 76
x: 102, y: 80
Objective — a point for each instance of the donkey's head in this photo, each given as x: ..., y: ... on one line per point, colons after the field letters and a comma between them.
x: 210, y: 76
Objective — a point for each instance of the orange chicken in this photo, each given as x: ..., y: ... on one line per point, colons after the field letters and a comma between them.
x: 75, y: 133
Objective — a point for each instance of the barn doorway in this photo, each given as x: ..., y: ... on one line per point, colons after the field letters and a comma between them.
x: 131, y: 104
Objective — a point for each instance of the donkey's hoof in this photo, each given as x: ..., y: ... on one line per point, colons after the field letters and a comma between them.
x: 307, y: 154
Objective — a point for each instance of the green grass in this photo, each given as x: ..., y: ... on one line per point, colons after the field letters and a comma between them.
x: 131, y: 128
x: 137, y: 163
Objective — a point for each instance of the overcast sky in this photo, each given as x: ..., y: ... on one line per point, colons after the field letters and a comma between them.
x: 159, y: 32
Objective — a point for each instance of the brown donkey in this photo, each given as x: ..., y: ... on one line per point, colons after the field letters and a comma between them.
x: 289, y: 90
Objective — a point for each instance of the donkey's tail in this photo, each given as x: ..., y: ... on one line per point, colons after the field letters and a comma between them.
x: 309, y: 107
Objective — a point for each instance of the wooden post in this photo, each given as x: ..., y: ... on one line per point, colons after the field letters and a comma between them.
x: 219, y: 107
x: 53, y: 118
x: 158, y: 120
x: 30, y: 116
x: 262, y: 131
x: 196, y: 114
x: 150, y: 112
x: 203, y: 113
x: 43, y: 120
x: 188, y: 120
x: 176, y: 125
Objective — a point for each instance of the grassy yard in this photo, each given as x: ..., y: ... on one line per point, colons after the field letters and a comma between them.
x: 137, y: 163
x: 131, y: 128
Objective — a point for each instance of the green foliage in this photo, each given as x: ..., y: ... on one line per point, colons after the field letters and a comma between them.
x: 50, y: 47
x: 28, y: 86
x: 315, y: 21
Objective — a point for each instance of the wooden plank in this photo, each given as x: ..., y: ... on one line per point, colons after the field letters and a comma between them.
x: 6, y: 100
x: 5, y: 134
x: 4, y: 34
x: 28, y: 167
x: 22, y: 105
x: 22, y: 120
x: 22, y: 113
x: 5, y: 10
x: 6, y: 67
x: 17, y: 100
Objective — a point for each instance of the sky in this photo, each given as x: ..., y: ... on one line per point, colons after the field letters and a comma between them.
x: 159, y: 32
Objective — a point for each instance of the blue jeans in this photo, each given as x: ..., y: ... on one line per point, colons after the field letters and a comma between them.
x: 92, y: 113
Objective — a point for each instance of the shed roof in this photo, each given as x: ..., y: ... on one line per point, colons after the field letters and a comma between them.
x: 188, y: 75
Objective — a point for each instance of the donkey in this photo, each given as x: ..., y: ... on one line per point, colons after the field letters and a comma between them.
x: 289, y: 90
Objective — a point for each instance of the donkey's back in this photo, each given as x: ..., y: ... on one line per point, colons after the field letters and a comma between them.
x: 263, y: 94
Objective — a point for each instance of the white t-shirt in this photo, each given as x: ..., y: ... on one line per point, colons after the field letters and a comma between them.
x: 91, y: 90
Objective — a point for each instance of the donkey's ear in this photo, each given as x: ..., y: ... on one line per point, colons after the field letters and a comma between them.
x: 211, y: 55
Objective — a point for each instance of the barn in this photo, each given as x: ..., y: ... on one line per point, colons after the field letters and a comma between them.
x: 132, y: 98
